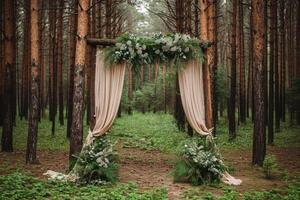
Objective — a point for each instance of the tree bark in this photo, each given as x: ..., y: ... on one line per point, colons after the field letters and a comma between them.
x: 204, y: 36
x: 2, y: 16
x: 9, y: 64
x: 178, y: 108
x: 60, y: 62
x: 259, y: 140
x: 231, y: 111
x: 271, y: 71
x: 25, y: 63
x: 242, y: 92
x: 72, y: 44
x: 276, y: 68
x: 130, y: 92
x: 76, y: 136
x: 212, y: 59
x: 282, y: 60
x: 34, y: 96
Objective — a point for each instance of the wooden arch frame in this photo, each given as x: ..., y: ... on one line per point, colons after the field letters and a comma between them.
x: 206, y: 76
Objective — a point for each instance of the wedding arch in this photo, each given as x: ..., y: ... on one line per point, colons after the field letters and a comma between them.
x: 183, y: 53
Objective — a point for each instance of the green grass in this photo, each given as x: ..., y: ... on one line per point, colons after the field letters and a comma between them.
x: 151, y: 131
x: 20, y: 186
x: 146, y: 131
x: 291, y: 192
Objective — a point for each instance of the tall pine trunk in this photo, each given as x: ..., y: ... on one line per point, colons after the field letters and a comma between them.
x: 242, y: 88
x: 72, y: 45
x: 60, y: 62
x: 231, y: 108
x: 9, y: 64
x: 34, y: 95
x: 76, y: 136
x: 259, y: 138
x: 271, y: 71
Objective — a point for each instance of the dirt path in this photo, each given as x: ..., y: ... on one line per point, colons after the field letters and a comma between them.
x: 151, y: 169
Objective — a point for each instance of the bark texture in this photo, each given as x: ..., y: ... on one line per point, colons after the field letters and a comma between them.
x: 9, y: 64
x: 259, y: 138
x: 76, y: 136
x: 31, y: 157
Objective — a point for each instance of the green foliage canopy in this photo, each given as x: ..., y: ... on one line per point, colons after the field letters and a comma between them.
x: 171, y: 48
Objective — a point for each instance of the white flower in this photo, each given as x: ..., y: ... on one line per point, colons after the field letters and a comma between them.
x: 177, y: 37
x: 118, y: 45
x: 174, y: 48
x: 123, y: 47
x: 139, y: 52
x: 186, y: 38
x: 129, y: 43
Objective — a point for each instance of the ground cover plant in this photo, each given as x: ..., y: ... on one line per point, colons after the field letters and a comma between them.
x: 150, y: 133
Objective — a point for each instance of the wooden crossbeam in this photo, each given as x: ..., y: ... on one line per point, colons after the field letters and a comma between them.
x: 111, y: 42
x: 101, y: 42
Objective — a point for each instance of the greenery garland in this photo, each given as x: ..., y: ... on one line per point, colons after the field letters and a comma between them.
x: 139, y: 51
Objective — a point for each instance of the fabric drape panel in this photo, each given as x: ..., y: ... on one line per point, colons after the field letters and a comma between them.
x: 192, y: 95
x: 108, y: 91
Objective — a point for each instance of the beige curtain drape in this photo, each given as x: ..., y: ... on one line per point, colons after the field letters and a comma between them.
x: 192, y: 96
x: 190, y: 80
x: 108, y: 91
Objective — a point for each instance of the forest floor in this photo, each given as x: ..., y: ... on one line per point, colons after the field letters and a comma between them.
x: 147, y: 154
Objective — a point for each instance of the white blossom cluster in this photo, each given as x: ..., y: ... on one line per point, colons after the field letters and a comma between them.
x: 98, y: 152
x: 204, y: 159
x: 172, y: 44
x: 147, y: 50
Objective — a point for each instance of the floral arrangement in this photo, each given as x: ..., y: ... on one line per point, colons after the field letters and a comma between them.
x: 97, y: 163
x: 200, y: 163
x: 138, y: 51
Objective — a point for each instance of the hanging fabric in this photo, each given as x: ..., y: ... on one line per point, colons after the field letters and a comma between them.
x: 192, y: 96
x: 108, y: 92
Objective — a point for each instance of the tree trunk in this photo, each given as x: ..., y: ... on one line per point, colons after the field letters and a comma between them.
x: 60, y: 62
x: 259, y: 140
x: 276, y: 69
x: 2, y: 16
x: 271, y: 73
x: 196, y: 17
x: 93, y: 69
x: 25, y: 63
x: 108, y: 18
x: 231, y: 111
x: 282, y: 60
x: 130, y: 93
x: 204, y: 36
x: 76, y: 136
x: 242, y: 65
x: 72, y: 44
x: 178, y: 110
x: 34, y: 96
x: 42, y: 83
x: 212, y: 59
x: 9, y: 64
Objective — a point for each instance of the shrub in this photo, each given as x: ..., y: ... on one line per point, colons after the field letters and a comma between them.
x: 269, y: 166
x: 200, y: 163
x: 97, y: 163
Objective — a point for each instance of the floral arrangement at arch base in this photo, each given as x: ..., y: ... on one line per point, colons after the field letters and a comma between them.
x: 199, y: 163
x: 138, y: 51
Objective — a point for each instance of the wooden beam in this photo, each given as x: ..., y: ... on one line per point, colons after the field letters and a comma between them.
x: 101, y: 42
